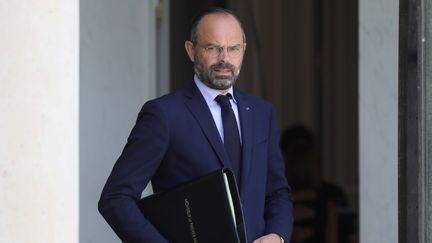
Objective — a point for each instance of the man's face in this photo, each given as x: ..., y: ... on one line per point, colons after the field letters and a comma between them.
x: 218, y: 53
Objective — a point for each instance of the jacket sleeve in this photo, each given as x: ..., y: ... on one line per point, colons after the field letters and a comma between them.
x: 139, y: 160
x: 278, y: 205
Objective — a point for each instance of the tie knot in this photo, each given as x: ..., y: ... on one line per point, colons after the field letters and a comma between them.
x: 224, y: 100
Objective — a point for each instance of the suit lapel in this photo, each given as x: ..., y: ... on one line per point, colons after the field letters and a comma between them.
x: 245, y: 113
x: 199, y: 109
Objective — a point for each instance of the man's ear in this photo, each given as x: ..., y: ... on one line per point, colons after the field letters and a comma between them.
x: 189, y: 46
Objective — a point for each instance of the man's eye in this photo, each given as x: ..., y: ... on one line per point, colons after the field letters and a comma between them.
x: 211, y: 48
x: 233, y: 48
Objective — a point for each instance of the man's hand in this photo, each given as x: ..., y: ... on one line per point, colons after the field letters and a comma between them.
x: 270, y: 238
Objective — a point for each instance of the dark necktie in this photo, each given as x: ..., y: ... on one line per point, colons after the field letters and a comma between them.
x: 231, y: 133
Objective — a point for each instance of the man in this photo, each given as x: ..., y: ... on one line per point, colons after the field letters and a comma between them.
x: 194, y: 131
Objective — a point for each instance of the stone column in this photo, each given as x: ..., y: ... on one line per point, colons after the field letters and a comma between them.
x: 378, y: 123
x: 73, y: 76
x: 117, y: 75
x: 39, y: 121
x: 425, y: 123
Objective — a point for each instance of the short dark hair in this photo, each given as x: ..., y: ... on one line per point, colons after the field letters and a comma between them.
x: 197, y: 19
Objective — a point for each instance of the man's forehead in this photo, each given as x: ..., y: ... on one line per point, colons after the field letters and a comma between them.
x: 219, y: 24
x: 218, y: 16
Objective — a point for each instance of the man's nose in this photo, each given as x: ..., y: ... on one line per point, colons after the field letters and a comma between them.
x: 223, y: 55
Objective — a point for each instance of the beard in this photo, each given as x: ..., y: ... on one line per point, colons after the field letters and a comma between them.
x: 215, y: 81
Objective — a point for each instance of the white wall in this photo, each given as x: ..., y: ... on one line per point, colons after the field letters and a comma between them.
x: 117, y: 75
x: 73, y: 77
x: 39, y: 121
x: 378, y: 87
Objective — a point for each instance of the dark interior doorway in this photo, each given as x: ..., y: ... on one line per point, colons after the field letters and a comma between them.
x: 303, y: 57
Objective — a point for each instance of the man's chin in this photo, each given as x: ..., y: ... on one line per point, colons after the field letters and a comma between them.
x: 222, y: 84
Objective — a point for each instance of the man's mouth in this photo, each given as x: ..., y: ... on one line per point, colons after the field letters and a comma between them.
x: 223, y: 71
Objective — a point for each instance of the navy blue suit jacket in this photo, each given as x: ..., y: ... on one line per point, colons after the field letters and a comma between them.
x: 175, y: 140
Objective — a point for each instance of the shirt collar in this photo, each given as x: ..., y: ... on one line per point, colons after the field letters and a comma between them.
x: 210, y: 94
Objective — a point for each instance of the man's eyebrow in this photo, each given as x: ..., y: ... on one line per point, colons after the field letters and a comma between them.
x: 214, y: 44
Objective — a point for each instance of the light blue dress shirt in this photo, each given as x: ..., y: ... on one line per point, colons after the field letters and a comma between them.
x: 215, y: 109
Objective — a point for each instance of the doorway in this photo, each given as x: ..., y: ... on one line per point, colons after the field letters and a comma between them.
x: 302, y: 56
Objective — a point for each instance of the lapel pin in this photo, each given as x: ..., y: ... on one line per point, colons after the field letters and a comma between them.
x: 247, y: 108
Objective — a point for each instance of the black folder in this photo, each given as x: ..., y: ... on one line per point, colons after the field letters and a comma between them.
x: 205, y: 210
